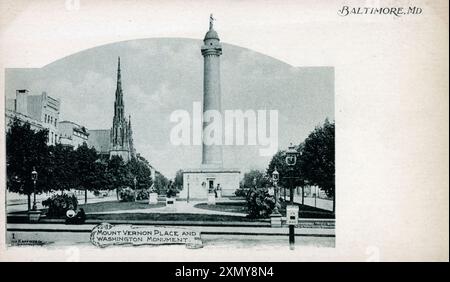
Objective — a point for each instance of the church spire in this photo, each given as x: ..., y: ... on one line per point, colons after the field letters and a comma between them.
x: 118, y: 104
x: 120, y: 136
x: 119, y: 93
x: 119, y: 79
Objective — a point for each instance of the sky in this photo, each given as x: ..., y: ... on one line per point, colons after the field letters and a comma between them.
x: 161, y: 75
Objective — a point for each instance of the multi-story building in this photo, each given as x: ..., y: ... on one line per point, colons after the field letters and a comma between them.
x: 46, y: 109
x: 19, y: 104
x: 18, y: 108
x: 41, y: 111
x: 11, y: 114
x: 72, y: 134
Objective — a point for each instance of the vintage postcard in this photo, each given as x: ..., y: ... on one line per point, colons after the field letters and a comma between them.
x: 224, y: 130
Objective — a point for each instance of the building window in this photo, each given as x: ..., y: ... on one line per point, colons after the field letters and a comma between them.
x: 45, y: 119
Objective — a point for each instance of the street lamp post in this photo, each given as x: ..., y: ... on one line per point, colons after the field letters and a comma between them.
x: 291, y: 160
x: 315, y: 197
x: 275, y: 178
x: 275, y: 216
x: 305, y: 183
x: 34, y: 176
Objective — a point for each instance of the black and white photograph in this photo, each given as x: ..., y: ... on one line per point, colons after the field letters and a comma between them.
x: 189, y: 131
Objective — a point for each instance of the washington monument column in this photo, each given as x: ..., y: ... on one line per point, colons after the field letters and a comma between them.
x: 210, y: 177
x: 211, y: 51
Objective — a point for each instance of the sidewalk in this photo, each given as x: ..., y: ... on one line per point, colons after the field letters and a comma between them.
x: 18, y: 205
x: 312, y: 202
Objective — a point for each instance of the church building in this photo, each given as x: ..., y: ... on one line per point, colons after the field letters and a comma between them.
x: 121, y: 139
x: 117, y: 141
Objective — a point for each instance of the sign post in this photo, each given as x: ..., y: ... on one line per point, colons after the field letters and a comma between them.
x: 292, y: 220
x: 291, y: 210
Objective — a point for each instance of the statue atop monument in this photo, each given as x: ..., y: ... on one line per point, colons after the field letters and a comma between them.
x: 211, y: 21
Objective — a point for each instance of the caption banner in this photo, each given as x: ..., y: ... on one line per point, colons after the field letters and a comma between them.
x: 106, y: 234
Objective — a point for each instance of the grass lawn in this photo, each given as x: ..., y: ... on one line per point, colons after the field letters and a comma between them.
x: 116, y: 205
x: 236, y: 206
x: 109, y: 206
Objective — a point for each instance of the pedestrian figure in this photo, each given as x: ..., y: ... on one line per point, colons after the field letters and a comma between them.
x: 75, y: 218
x: 218, y: 189
x: 70, y: 216
x: 81, y: 216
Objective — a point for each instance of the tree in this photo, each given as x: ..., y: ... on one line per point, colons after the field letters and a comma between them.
x: 62, y: 168
x: 103, y: 176
x: 178, y: 182
x: 261, y: 180
x: 289, y: 177
x: 26, y: 149
x: 161, y: 182
x: 260, y: 203
x: 318, y: 159
x: 141, y: 171
x: 118, y: 173
x: 87, y: 169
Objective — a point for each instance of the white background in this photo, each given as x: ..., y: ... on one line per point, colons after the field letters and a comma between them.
x: 391, y: 107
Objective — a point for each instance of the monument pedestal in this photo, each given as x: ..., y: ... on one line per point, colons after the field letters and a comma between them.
x: 198, y: 182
